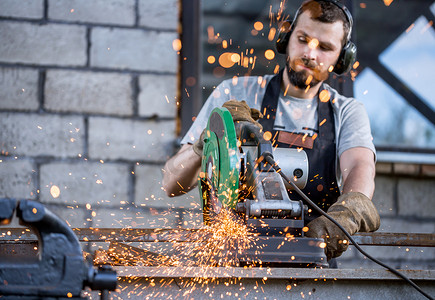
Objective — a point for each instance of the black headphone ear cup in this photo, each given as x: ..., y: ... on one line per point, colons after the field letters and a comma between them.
x: 284, y: 33
x: 346, y: 59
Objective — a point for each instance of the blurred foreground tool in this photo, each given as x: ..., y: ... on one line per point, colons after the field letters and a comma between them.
x: 59, y: 270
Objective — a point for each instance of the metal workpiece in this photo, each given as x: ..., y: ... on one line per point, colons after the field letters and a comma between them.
x: 271, y: 273
x: 185, y: 235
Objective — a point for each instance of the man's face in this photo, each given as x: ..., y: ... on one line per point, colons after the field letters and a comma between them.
x: 313, y: 50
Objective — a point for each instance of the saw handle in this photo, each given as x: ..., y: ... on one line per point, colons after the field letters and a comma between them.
x: 252, y: 135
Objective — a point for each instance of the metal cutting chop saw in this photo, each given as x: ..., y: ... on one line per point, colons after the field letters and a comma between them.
x: 234, y: 176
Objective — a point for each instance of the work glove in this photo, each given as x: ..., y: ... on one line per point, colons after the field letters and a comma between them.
x: 355, y: 212
x: 240, y: 111
x: 198, y: 146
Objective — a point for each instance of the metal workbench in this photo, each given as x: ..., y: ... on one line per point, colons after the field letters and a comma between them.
x: 165, y: 282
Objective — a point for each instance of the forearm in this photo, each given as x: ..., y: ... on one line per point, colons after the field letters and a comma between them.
x: 360, y: 179
x: 181, y: 171
x: 358, y: 170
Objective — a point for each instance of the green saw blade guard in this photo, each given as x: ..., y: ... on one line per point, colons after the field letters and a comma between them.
x: 220, y: 165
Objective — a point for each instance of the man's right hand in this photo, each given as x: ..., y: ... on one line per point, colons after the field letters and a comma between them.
x: 240, y: 111
x: 198, y: 146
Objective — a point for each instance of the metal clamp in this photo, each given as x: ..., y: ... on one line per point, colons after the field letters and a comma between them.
x: 59, y: 271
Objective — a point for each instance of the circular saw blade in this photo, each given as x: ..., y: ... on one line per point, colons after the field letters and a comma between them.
x: 219, y: 176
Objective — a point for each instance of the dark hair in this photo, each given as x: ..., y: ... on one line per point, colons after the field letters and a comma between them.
x: 326, y: 12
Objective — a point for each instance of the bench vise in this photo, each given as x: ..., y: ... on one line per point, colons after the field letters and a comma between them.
x: 59, y: 271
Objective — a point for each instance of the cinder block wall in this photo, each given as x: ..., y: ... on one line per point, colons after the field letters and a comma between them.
x: 87, y: 109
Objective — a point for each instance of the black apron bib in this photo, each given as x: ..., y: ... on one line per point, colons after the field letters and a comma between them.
x: 321, y: 186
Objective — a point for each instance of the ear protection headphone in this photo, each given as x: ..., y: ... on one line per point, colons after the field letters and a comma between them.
x: 348, y: 52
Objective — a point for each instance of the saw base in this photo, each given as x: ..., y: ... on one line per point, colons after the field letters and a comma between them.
x: 284, y: 252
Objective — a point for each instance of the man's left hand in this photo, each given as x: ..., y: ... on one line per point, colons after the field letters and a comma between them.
x: 355, y: 212
x: 336, y: 241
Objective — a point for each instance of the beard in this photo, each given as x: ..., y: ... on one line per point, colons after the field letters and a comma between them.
x: 299, y: 79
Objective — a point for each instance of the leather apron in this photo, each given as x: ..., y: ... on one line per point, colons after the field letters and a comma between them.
x: 321, y: 186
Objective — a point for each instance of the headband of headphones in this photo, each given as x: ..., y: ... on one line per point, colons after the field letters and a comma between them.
x: 348, y: 52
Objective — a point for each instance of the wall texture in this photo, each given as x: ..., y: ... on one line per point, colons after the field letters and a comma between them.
x: 88, y: 114
x: 88, y: 107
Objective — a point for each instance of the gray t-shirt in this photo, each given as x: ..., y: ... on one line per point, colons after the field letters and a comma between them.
x: 352, y: 126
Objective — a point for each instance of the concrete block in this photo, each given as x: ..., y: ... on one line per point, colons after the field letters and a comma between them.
x: 111, y: 138
x: 365, y: 263
x: 28, y: 9
x: 17, y: 179
x: 88, y: 92
x: 133, y: 49
x: 428, y: 170
x: 418, y: 265
x: 416, y: 197
x: 19, y: 89
x: 130, y: 217
x: 43, y: 44
x: 384, y: 168
x: 149, y: 191
x: 400, y: 253
x: 406, y: 169
x: 383, y: 198
x: 74, y: 216
x: 120, y: 12
x: 41, y: 135
x: 157, y: 95
x: 96, y: 184
x: 405, y: 226
x: 161, y: 14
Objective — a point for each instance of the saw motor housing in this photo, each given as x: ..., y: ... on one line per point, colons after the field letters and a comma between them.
x: 234, y: 176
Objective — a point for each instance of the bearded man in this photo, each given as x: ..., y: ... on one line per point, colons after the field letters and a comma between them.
x: 300, y: 110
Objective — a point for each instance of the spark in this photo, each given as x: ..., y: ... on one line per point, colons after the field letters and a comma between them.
x: 272, y: 33
x: 176, y: 45
x: 55, y: 191
x: 410, y: 28
x: 324, y: 96
x: 269, y: 54
x: 313, y: 44
x: 388, y: 2
x: 258, y: 26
